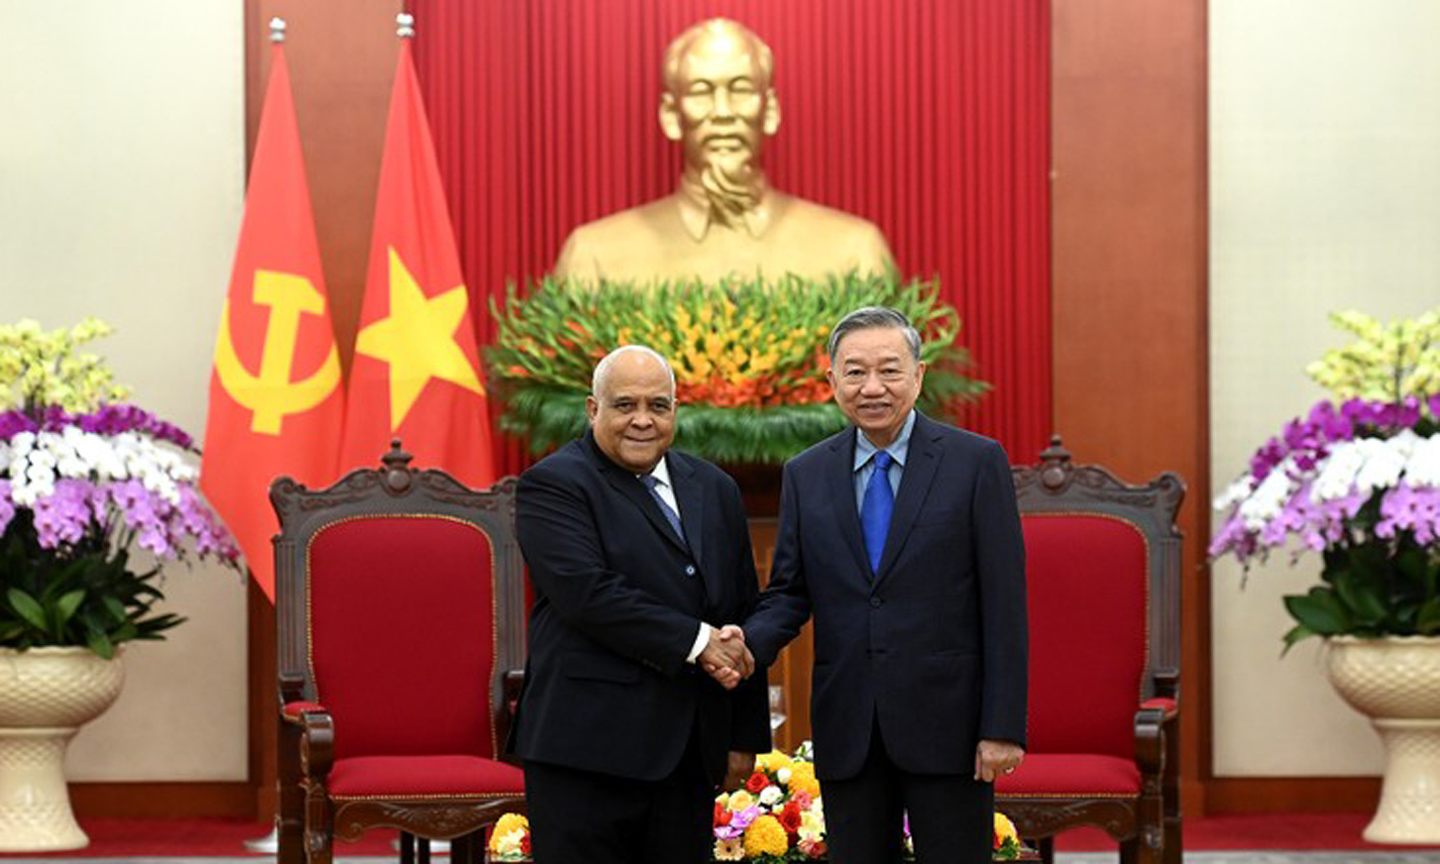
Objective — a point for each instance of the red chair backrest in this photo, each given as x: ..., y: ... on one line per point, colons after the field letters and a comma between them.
x: 401, y: 612
x: 1087, y: 589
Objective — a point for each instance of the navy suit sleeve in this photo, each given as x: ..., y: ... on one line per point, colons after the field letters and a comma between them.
x: 785, y: 603
x: 1000, y: 565
x: 560, y: 539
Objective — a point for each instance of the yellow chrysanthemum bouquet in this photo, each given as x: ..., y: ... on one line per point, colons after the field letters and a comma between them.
x: 775, y: 816
x: 510, y: 838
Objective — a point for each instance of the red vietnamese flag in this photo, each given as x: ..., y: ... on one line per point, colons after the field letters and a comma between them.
x: 416, y: 374
x: 276, y: 405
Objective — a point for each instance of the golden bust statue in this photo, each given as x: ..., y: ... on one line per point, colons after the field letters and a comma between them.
x: 724, y: 219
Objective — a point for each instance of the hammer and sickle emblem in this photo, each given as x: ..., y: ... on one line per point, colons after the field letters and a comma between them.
x: 271, y: 395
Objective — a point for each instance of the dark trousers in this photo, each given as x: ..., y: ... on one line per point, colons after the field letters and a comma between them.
x: 951, y: 816
x: 581, y: 817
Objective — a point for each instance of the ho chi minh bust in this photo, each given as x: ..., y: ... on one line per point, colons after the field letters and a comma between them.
x: 724, y: 220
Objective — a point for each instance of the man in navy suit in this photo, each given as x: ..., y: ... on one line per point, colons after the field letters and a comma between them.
x: 632, y: 550
x: 901, y: 536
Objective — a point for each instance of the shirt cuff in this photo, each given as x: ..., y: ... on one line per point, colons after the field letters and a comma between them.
x: 701, y: 639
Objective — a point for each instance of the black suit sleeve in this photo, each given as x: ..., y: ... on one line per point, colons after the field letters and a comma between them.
x: 750, y: 731
x: 560, y: 539
x: 785, y: 603
x: 1000, y: 566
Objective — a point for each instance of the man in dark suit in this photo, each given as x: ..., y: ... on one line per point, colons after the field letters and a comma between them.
x: 901, y: 536
x: 632, y: 550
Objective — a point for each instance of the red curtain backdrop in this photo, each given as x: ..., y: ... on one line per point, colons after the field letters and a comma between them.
x: 929, y: 117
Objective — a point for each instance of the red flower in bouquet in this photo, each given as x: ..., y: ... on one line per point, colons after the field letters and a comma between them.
x: 790, y: 817
x: 757, y: 782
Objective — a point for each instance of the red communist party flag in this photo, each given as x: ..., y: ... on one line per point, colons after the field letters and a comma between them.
x: 416, y: 374
x: 276, y: 404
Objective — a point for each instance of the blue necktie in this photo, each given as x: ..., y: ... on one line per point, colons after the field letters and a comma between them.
x: 651, y: 481
x: 875, y: 511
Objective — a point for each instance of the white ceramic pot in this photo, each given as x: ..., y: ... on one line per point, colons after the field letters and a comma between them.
x: 45, y: 696
x: 1396, y: 683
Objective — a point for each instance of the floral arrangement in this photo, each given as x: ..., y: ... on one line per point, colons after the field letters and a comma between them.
x: 776, y: 817
x: 84, y: 478
x: 1358, y: 480
x: 510, y: 838
x: 749, y: 357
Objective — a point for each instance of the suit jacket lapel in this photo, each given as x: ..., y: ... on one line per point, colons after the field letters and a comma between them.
x: 629, y: 485
x: 842, y: 491
x: 922, y: 462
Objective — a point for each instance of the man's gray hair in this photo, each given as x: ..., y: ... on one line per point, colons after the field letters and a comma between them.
x: 602, y: 369
x: 867, y: 317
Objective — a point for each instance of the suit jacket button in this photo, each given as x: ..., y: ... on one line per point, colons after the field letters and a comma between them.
x: 876, y: 601
x: 689, y: 569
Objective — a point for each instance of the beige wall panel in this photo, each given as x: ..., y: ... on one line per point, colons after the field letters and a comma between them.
x: 121, y: 188
x: 1325, y: 195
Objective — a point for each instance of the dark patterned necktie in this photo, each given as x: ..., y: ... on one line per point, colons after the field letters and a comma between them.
x: 651, y: 481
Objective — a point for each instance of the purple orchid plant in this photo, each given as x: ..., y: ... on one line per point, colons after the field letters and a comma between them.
x: 1358, y: 482
x: 84, y: 483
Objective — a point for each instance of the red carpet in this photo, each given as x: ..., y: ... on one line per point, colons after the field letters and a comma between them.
x: 220, y: 837
x: 1291, y: 831
x: 115, y: 838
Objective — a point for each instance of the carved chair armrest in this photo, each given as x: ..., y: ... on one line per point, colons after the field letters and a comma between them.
x: 317, y: 744
x: 1150, y: 731
x: 511, y: 684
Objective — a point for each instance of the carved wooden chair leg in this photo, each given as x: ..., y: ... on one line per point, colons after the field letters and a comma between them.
x: 422, y: 845
x: 290, y: 822
x: 1174, y: 843
x: 319, y: 826
x: 474, y: 846
x: 407, y: 848
x: 1130, y: 850
x: 1174, y: 840
x: 1046, y: 847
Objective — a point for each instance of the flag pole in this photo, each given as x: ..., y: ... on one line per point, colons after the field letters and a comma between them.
x: 405, y: 29
x: 270, y: 843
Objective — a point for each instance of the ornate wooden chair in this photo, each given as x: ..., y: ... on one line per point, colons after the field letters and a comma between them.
x: 400, y: 607
x: 1103, y: 562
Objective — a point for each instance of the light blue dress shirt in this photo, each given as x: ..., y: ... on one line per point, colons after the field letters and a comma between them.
x: 865, y: 451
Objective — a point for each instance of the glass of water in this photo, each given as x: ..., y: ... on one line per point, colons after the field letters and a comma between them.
x: 777, y: 706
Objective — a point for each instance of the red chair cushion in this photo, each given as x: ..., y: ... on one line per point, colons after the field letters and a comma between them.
x: 293, y: 710
x: 1169, y: 706
x: 1071, y: 775
x: 423, y: 776
x: 1087, y: 603
x: 402, y: 644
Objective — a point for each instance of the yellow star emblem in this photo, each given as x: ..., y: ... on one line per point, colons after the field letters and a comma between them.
x: 418, y: 340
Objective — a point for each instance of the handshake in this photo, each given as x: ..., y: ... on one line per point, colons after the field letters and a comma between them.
x: 725, y: 657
